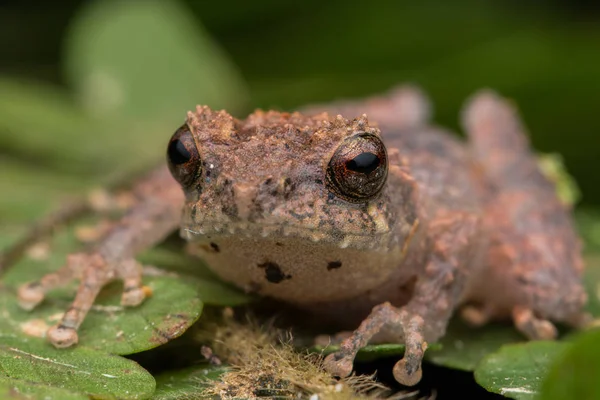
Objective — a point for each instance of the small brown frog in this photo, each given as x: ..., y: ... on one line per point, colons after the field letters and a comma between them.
x: 388, y: 221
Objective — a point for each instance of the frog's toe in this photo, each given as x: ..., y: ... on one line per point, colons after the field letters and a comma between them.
x: 133, y: 297
x: 62, y: 336
x: 408, y: 372
x: 338, y: 364
x: 134, y: 292
x: 531, y: 326
x: 476, y: 316
x: 30, y: 295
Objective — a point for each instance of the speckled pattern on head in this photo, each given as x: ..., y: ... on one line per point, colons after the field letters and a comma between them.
x: 262, y: 196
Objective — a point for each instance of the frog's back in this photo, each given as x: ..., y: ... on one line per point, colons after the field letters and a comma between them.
x: 440, y: 163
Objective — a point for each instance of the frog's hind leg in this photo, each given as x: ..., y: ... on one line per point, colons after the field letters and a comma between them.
x: 400, y: 108
x: 534, y: 257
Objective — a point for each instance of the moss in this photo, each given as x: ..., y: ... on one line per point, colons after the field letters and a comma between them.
x: 264, y: 363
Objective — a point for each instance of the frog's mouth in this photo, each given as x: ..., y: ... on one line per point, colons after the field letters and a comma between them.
x: 245, y: 231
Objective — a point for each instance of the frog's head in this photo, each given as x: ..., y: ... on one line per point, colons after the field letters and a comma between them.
x: 280, y: 175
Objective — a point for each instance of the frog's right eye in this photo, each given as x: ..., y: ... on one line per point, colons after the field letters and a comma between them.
x: 183, y: 157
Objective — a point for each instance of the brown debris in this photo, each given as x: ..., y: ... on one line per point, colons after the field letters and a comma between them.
x: 265, y: 364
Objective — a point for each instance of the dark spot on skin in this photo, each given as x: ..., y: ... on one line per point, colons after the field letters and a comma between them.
x: 522, y: 280
x: 278, y: 244
x: 268, y: 181
x: 273, y: 272
x: 288, y: 187
x: 210, y: 248
x: 333, y: 265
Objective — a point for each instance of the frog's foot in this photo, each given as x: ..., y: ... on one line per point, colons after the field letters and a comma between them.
x: 531, y: 326
x: 477, y: 315
x: 407, y: 371
x: 94, y: 272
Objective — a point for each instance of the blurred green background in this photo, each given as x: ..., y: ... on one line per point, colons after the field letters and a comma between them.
x: 88, y: 88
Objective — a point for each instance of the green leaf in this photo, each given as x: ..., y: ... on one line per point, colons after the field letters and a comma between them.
x: 173, y: 307
x: 18, y: 389
x: 147, y: 60
x: 575, y: 373
x: 517, y: 370
x: 79, y: 369
x: 592, y: 284
x: 553, y: 167
x: 588, y: 224
x: 186, y: 383
x: 34, y: 192
x: 373, y: 352
x: 40, y: 122
x: 41, y: 126
x: 463, y: 347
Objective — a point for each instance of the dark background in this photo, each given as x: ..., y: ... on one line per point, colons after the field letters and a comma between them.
x: 545, y: 55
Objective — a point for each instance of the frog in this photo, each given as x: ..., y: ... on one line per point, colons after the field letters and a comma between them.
x: 360, y: 211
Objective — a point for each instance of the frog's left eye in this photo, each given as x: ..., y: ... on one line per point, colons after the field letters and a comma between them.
x: 183, y: 157
x: 358, y: 169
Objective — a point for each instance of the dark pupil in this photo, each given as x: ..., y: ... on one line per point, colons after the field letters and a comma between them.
x: 178, y: 154
x: 364, y: 163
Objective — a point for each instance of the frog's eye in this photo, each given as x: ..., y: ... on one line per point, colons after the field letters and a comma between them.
x: 182, y: 156
x: 358, y: 169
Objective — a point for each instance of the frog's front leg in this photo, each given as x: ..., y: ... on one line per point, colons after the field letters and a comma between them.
x: 159, y: 200
x: 424, y: 319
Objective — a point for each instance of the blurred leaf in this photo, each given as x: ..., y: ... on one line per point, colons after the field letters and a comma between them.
x: 42, y: 128
x: 40, y: 122
x: 575, y: 373
x: 463, y: 347
x: 185, y: 384
x: 553, y: 167
x: 18, y: 389
x: 80, y: 369
x: 147, y: 61
x: 34, y: 192
x: 592, y: 284
x: 517, y: 370
x: 588, y: 224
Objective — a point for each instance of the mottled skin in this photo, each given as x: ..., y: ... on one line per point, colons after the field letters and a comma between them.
x: 311, y: 209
